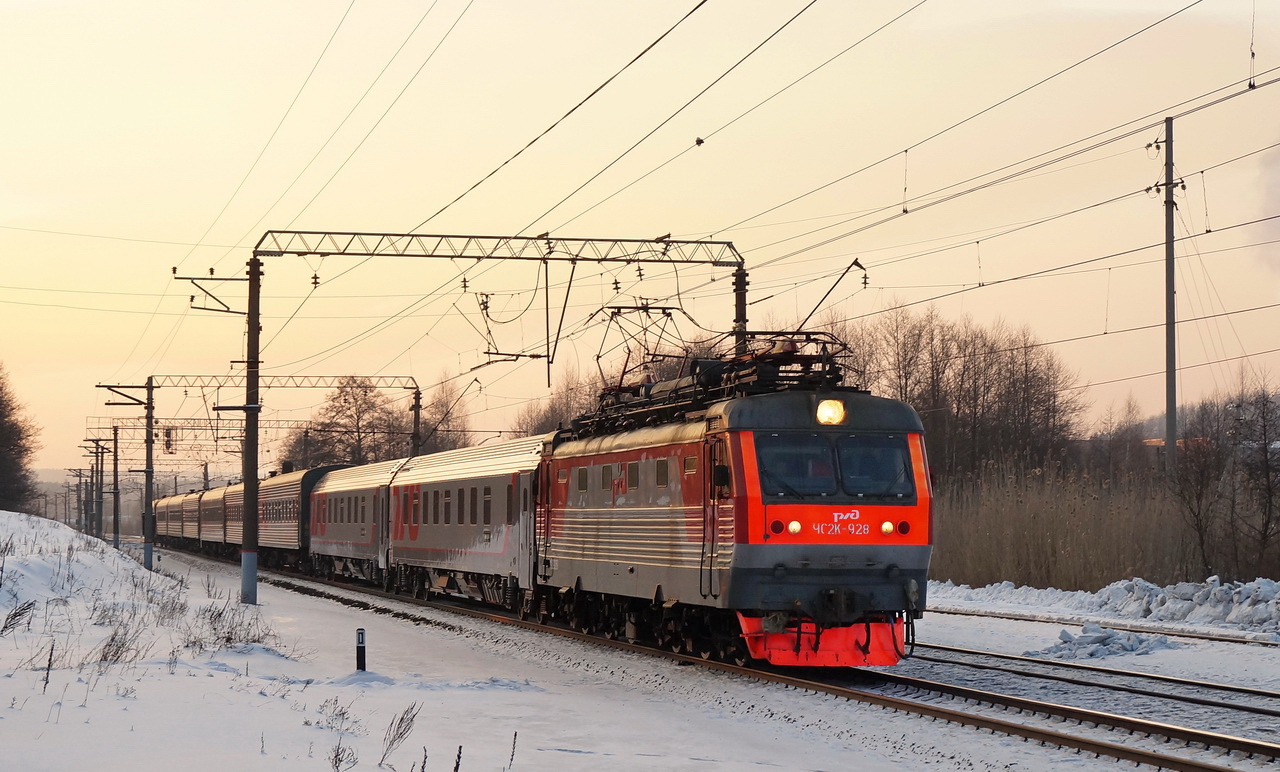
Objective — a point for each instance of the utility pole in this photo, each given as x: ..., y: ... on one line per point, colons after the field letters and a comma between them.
x: 416, y: 439
x: 249, y: 547
x: 148, y: 495
x: 1170, y: 313
x: 99, y: 513
x: 115, y: 487
x: 149, y: 485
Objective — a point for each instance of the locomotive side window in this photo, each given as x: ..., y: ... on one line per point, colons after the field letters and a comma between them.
x: 633, y: 476
x: 662, y: 472
x: 690, y: 464
x: 562, y: 475
x: 582, y: 479
x: 606, y: 477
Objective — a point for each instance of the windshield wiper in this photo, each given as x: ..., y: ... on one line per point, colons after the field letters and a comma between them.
x: 902, y: 471
x: 786, y: 486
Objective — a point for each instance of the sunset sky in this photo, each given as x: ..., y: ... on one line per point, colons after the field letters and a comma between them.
x: 140, y: 136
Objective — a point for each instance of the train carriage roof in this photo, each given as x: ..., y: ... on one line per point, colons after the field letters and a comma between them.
x: 359, y: 478
x: 489, y: 460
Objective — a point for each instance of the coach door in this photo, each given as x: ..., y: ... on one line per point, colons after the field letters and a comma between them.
x: 715, y: 480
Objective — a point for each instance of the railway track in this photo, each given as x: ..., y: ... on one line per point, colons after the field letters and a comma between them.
x: 1140, y: 741
x: 1262, y: 703
x: 1117, y: 624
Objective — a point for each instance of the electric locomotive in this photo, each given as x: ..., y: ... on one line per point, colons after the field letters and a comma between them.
x: 753, y: 509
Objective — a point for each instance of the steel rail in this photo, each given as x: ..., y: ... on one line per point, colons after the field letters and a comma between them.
x: 1111, y: 624
x: 958, y: 716
x: 1164, y: 679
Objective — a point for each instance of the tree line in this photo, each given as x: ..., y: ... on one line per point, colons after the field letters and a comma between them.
x: 1026, y: 490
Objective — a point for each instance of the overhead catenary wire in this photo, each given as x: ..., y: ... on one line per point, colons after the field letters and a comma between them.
x: 564, y: 117
x: 668, y: 119
x: 246, y: 176
x: 971, y: 117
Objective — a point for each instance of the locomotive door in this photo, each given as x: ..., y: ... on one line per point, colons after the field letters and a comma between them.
x: 714, y: 481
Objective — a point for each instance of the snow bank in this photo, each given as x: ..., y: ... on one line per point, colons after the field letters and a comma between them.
x: 1247, y: 606
x: 1096, y: 642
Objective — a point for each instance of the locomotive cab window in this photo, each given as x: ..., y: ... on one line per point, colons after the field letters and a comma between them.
x: 876, y: 467
x: 873, y: 467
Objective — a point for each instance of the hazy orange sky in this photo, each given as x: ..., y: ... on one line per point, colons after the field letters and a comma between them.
x: 139, y: 136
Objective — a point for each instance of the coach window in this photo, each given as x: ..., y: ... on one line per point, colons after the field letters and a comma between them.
x: 511, y: 504
x: 487, y: 511
x: 435, y: 507
x: 633, y: 476
x: 473, y: 506
x: 524, y: 499
x: 661, y: 472
x: 462, y: 506
x: 448, y: 506
x: 363, y: 509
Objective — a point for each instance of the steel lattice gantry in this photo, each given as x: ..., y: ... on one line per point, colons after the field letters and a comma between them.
x: 541, y: 248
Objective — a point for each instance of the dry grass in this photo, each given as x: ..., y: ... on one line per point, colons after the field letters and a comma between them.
x: 1050, y: 527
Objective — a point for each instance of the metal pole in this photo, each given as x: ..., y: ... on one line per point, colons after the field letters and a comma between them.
x: 115, y: 487
x: 149, y: 480
x: 1170, y: 313
x: 249, y: 548
x: 740, y: 310
x: 417, y: 423
x: 99, y: 477
x: 360, y: 655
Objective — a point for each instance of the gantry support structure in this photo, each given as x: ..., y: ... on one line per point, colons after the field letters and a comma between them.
x: 543, y: 248
x: 148, y: 425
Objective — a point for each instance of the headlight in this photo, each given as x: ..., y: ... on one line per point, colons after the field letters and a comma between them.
x: 794, y: 526
x: 886, y: 528
x: 830, y: 412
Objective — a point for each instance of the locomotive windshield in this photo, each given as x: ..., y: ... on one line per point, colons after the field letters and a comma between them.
x: 862, y: 466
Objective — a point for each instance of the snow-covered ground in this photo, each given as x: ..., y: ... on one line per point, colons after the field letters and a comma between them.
x: 150, y: 672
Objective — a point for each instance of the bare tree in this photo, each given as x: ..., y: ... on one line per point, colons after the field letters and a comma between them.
x: 572, y: 396
x: 1202, y: 481
x: 18, y: 445
x: 357, y: 424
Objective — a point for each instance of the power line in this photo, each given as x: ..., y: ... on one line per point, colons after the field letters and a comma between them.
x: 669, y: 118
x: 701, y: 140
x: 963, y: 121
x: 562, y: 118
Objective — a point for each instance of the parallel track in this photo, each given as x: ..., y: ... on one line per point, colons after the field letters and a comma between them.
x: 1200, y: 743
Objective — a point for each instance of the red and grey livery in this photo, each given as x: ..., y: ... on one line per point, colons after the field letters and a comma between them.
x: 753, y: 509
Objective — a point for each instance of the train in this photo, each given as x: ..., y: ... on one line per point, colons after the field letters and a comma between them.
x: 753, y: 508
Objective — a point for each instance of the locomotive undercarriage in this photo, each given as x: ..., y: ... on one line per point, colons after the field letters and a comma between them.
x: 699, y: 631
